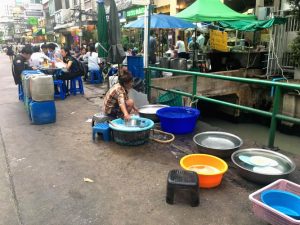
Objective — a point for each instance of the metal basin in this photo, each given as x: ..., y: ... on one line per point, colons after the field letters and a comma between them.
x: 149, y: 111
x: 216, y: 143
x: 262, y: 166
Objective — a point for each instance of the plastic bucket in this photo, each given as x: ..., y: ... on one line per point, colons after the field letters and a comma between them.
x: 207, y: 179
x: 178, y: 120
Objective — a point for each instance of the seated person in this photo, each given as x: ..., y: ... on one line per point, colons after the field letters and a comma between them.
x: 116, y: 102
x: 20, y: 63
x: 81, y: 54
x: 92, y: 58
x: 71, y: 64
x: 53, y: 52
x: 45, y: 50
x: 37, y: 57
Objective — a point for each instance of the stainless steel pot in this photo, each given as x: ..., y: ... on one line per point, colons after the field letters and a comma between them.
x: 246, y: 168
x: 216, y: 143
x: 149, y: 111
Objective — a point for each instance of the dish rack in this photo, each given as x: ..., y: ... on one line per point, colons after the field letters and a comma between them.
x: 266, y: 212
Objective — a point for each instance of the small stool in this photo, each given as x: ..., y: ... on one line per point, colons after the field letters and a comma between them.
x: 20, y: 92
x: 73, y: 87
x: 60, y: 89
x: 95, y: 77
x: 181, y: 179
x: 102, y: 128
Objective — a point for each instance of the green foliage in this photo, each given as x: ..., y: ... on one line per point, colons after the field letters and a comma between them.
x: 295, y: 5
x: 295, y: 47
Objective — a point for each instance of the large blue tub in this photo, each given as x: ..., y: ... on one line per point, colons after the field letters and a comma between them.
x: 178, y: 120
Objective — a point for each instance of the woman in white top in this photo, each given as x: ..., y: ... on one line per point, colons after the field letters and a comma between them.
x: 92, y: 58
x: 180, y: 46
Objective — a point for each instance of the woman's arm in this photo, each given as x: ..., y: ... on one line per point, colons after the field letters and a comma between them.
x: 68, y: 65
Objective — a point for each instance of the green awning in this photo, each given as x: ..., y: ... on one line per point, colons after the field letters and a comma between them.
x: 210, y: 11
x: 252, y: 25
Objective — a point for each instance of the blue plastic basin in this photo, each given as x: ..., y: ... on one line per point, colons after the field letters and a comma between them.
x: 283, y: 201
x: 178, y: 120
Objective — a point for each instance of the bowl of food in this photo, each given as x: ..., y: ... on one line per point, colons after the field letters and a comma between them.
x: 210, y: 169
x: 261, y: 165
x: 217, y: 143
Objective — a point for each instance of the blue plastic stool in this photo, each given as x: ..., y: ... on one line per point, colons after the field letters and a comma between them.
x: 73, y: 87
x: 20, y: 92
x: 102, y: 128
x: 95, y: 77
x: 61, y: 88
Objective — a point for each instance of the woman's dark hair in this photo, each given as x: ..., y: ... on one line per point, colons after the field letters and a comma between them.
x: 125, y: 77
x: 36, y: 48
x: 179, y: 37
x: 67, y: 50
x: 27, y: 50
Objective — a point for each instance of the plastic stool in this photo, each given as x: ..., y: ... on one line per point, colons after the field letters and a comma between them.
x: 61, y: 88
x: 95, y: 77
x: 102, y: 128
x: 73, y: 87
x: 20, y: 92
x: 186, y: 180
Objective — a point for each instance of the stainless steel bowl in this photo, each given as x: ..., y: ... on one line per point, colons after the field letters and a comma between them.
x: 149, y: 111
x: 274, y: 166
x: 217, y: 143
x: 133, y: 123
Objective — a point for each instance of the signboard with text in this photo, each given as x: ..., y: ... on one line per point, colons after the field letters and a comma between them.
x: 218, y: 40
x: 135, y: 12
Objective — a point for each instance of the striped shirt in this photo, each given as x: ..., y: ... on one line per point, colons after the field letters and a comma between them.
x: 116, y: 96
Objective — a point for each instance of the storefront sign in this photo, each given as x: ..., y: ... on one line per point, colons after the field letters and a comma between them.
x: 135, y: 12
x: 218, y: 40
x: 141, y: 2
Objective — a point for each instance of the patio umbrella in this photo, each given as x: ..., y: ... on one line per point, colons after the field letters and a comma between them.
x: 162, y: 22
x: 116, y: 52
x: 102, y: 31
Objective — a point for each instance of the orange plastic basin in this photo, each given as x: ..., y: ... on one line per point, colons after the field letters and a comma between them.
x: 210, y: 169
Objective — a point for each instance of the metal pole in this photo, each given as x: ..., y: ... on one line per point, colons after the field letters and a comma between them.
x: 194, y: 86
x: 273, y: 125
x: 146, y: 34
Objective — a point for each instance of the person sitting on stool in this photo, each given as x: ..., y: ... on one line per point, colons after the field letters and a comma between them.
x: 72, y: 66
x: 116, y: 101
x: 20, y: 63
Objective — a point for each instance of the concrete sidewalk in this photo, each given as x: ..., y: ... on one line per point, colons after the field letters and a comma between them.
x: 42, y: 170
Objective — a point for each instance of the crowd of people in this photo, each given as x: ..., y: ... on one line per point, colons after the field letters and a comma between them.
x: 116, y: 102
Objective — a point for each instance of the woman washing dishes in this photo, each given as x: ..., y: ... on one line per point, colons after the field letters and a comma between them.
x: 116, y: 102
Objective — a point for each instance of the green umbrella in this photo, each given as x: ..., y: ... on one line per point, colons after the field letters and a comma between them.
x: 210, y: 11
x: 116, y: 52
x: 102, y: 29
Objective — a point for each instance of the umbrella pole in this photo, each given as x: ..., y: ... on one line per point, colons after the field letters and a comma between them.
x: 194, y: 51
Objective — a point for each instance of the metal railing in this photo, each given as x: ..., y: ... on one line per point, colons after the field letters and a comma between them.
x: 274, y: 115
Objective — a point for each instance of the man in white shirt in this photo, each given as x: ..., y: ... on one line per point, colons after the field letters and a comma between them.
x: 37, y: 57
x: 200, y: 40
x: 180, y: 46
